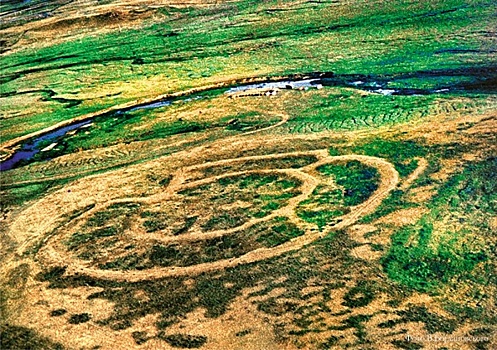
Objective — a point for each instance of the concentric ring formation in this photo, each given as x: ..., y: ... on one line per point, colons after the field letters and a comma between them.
x: 53, y: 252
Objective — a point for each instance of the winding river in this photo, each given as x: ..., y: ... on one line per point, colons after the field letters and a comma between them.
x: 27, y: 150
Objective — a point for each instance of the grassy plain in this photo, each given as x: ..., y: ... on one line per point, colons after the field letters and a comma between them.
x: 344, y: 216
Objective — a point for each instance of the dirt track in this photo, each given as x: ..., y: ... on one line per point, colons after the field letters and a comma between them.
x: 422, y: 165
x: 389, y: 180
x: 26, y: 239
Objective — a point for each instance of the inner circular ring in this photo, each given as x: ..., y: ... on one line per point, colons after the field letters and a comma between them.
x: 389, y: 180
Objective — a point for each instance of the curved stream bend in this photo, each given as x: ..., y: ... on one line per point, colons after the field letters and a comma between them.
x: 30, y: 144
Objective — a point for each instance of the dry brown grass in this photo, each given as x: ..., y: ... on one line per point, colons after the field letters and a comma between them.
x: 77, y: 19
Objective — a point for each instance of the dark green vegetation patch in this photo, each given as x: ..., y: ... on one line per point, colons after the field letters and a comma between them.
x: 16, y: 337
x: 185, y: 341
x: 267, y: 234
x: 288, y: 162
x: 354, y: 183
x: 79, y: 318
